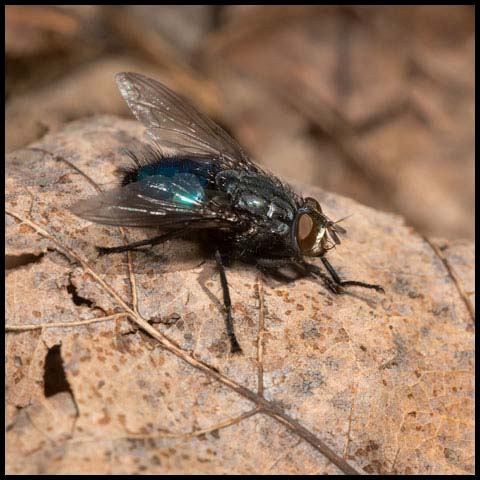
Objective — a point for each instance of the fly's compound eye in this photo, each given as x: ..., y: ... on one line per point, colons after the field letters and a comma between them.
x: 311, y: 202
x: 306, y: 232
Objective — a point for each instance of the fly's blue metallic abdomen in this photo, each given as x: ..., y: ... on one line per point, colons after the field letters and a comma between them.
x: 169, y: 167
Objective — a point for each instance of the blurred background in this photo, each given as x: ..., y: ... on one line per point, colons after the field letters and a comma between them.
x: 375, y: 103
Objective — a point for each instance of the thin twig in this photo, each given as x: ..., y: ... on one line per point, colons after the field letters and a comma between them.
x: 23, y: 328
x: 260, y: 336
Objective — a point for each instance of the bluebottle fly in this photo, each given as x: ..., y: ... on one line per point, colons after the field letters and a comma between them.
x: 194, y: 177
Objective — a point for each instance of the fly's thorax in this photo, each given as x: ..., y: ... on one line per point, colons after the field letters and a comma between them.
x: 260, y: 198
x: 228, y: 180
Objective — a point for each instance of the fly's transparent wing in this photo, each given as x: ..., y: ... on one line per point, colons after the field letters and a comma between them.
x: 156, y: 201
x: 175, y: 124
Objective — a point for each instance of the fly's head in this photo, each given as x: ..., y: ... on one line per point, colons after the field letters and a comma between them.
x: 314, y: 232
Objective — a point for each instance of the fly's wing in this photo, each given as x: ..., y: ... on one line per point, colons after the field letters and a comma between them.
x: 158, y: 201
x: 175, y: 124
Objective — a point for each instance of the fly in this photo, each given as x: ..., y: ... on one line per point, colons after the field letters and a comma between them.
x: 194, y: 177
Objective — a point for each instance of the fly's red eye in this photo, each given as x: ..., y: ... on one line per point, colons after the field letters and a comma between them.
x: 306, y: 232
x: 313, y: 203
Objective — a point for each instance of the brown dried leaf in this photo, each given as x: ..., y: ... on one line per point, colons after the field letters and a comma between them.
x: 326, y: 384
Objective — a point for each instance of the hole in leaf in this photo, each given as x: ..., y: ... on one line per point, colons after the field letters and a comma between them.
x: 54, y: 378
x: 17, y: 261
x: 77, y: 299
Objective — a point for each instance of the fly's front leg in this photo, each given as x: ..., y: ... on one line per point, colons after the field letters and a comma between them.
x: 133, y: 246
x: 234, y: 345
x: 315, y: 271
x: 348, y: 283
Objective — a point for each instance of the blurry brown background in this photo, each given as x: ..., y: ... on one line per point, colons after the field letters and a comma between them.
x: 375, y: 103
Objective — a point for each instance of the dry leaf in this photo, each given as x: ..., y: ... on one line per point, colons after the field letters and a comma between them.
x: 326, y: 384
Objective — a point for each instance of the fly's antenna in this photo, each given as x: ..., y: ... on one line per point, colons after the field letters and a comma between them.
x: 333, y: 228
x: 340, y: 229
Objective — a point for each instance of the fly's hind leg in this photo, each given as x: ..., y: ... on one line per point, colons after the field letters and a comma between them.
x: 133, y: 246
x: 348, y: 283
x: 234, y: 345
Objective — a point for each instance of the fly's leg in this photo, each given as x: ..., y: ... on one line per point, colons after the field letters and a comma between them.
x: 335, y: 284
x: 315, y: 271
x: 234, y: 345
x: 133, y: 246
x: 303, y: 269
x: 348, y: 283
